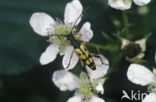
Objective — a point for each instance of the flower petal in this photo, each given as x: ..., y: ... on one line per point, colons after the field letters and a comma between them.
x: 120, y: 4
x: 150, y: 98
x: 101, y: 69
x: 86, y: 32
x: 139, y: 74
x: 98, y: 60
x: 40, y: 22
x: 67, y: 56
x: 65, y: 80
x: 72, y: 12
x: 78, y: 98
x: 141, y: 2
x: 125, y: 42
x: 49, y: 54
x: 99, y: 88
x: 142, y: 44
x: 96, y: 99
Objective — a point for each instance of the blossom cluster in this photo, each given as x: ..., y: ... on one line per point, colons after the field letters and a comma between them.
x: 90, y: 82
x: 126, y: 4
x: 45, y: 25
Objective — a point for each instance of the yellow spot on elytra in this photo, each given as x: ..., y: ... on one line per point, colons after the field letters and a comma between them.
x: 91, y: 59
x: 87, y: 62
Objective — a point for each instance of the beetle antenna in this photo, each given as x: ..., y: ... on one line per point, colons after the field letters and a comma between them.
x: 78, y: 19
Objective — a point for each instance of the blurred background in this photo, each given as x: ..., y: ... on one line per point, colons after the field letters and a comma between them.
x: 23, y: 79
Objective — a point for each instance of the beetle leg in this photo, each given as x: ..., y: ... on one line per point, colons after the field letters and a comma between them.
x: 84, y: 43
x: 97, y: 56
x: 67, y: 44
x: 82, y: 64
x: 85, y: 71
x: 92, y: 54
x: 79, y: 37
x: 71, y: 56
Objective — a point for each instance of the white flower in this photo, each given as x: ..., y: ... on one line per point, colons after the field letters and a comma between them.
x: 139, y: 74
x: 65, y: 80
x: 134, y: 50
x: 150, y: 98
x: 126, y: 4
x: 141, y: 2
x: 79, y: 98
x: 120, y: 4
x: 45, y: 25
x: 96, y: 99
x: 99, y: 88
x: 101, y: 69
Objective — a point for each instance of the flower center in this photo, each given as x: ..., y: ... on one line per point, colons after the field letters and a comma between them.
x: 62, y: 29
x: 86, y: 89
x: 152, y: 87
x: 60, y: 32
x: 132, y: 50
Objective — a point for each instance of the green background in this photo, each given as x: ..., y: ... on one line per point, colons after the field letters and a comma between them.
x: 23, y: 79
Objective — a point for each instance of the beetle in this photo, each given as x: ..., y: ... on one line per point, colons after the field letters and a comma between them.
x: 82, y: 52
x: 80, y: 49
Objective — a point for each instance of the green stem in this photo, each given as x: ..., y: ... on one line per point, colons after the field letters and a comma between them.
x: 126, y: 25
x: 98, y: 46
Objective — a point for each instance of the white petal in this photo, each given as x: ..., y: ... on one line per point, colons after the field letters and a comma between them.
x: 99, y: 88
x: 67, y: 56
x: 139, y: 74
x: 142, y: 44
x: 141, y: 2
x: 72, y: 12
x: 120, y: 4
x: 65, y: 80
x: 49, y: 54
x: 125, y: 42
x: 86, y: 32
x: 101, y: 69
x: 78, y: 98
x: 40, y: 22
x: 98, y: 60
x: 150, y: 98
x: 96, y: 99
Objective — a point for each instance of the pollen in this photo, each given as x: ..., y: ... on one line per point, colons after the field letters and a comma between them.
x: 86, y: 89
x: 60, y: 32
x: 152, y: 87
x: 62, y: 29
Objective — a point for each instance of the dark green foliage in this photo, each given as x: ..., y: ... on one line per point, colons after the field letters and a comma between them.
x: 23, y: 79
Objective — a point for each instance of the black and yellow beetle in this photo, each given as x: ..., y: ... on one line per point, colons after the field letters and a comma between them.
x: 82, y: 52
x: 80, y: 49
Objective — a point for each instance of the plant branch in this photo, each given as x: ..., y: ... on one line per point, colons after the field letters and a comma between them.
x: 98, y: 46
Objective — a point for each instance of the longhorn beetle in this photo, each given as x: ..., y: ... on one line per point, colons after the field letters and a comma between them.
x: 80, y: 49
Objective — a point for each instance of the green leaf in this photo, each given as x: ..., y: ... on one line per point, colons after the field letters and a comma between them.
x: 107, y: 37
x: 19, y: 49
x: 38, y: 98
